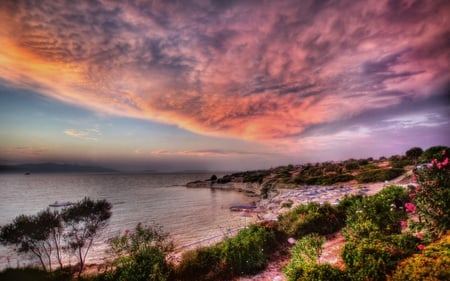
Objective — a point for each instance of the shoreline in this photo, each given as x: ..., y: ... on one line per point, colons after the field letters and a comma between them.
x: 279, y: 202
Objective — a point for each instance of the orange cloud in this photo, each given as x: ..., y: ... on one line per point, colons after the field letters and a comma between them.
x: 221, y: 71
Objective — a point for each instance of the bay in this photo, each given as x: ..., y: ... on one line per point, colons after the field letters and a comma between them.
x: 188, y: 214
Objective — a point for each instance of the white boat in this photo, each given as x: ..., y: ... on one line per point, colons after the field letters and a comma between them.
x: 60, y: 204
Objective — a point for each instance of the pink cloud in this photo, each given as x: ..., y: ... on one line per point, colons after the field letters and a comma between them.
x: 265, y: 75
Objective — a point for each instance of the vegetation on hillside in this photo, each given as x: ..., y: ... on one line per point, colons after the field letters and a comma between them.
x: 398, y: 234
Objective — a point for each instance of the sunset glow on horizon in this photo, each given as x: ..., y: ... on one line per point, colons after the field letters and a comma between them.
x: 173, y: 85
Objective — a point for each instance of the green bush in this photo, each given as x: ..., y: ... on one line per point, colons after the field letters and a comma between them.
x: 328, y: 179
x: 323, y: 272
x: 434, y: 152
x: 304, y: 255
x: 311, y: 218
x: 375, y: 257
x: 379, y: 175
x: 140, y: 255
x: 368, y: 259
x: 381, y: 213
x: 35, y: 274
x: 201, y: 264
x: 432, y: 264
x: 248, y: 252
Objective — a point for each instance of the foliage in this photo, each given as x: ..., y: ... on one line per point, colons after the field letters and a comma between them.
x: 433, y: 263
x: 140, y: 255
x: 34, y: 234
x: 325, y: 180
x: 379, y: 175
x: 351, y: 165
x: 35, y: 274
x: 304, y: 255
x: 380, y: 213
x: 368, y: 259
x: 246, y: 253
x: 201, y: 264
x: 323, y: 272
x: 83, y: 221
x: 414, y: 153
x: 432, y: 196
x: 311, y: 218
x: 434, y: 152
x: 249, y: 251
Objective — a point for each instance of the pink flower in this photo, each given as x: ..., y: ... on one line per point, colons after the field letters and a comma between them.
x: 410, y: 207
x: 420, y: 247
x: 403, y: 223
x: 445, y: 162
x: 412, y: 195
x: 414, y: 178
x: 439, y: 165
x: 419, y: 235
x: 127, y: 231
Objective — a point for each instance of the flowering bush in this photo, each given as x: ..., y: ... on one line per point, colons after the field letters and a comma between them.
x: 431, y: 197
x: 432, y: 263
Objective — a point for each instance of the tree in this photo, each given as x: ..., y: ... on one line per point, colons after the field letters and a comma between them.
x: 36, y: 234
x: 414, y: 153
x: 83, y: 222
x: 433, y: 152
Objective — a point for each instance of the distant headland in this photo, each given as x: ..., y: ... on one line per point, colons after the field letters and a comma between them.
x: 53, y: 168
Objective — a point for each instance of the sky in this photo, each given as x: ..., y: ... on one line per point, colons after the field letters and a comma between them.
x: 221, y: 85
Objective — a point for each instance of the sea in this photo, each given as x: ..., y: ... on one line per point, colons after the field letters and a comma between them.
x: 189, y: 215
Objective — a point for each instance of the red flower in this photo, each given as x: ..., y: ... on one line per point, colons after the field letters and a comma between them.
x: 420, y: 247
x: 403, y: 223
x: 127, y: 231
x: 410, y: 207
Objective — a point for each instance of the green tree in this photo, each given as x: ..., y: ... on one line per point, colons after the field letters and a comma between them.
x: 434, y: 152
x: 83, y: 222
x: 37, y: 234
x: 414, y: 153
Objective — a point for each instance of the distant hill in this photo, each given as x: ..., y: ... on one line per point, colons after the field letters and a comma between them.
x: 52, y: 168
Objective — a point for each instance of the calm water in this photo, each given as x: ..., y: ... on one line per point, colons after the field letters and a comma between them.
x: 187, y: 214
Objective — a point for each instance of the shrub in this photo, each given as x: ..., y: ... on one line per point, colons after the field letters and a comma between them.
x: 324, y: 272
x: 304, y: 255
x: 378, y: 175
x: 201, y: 264
x: 367, y: 260
x: 311, y: 218
x: 433, y: 263
x: 374, y: 257
x: 432, y: 196
x: 248, y: 252
x: 434, y: 152
x: 380, y: 213
x: 141, y: 255
x: 35, y: 274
